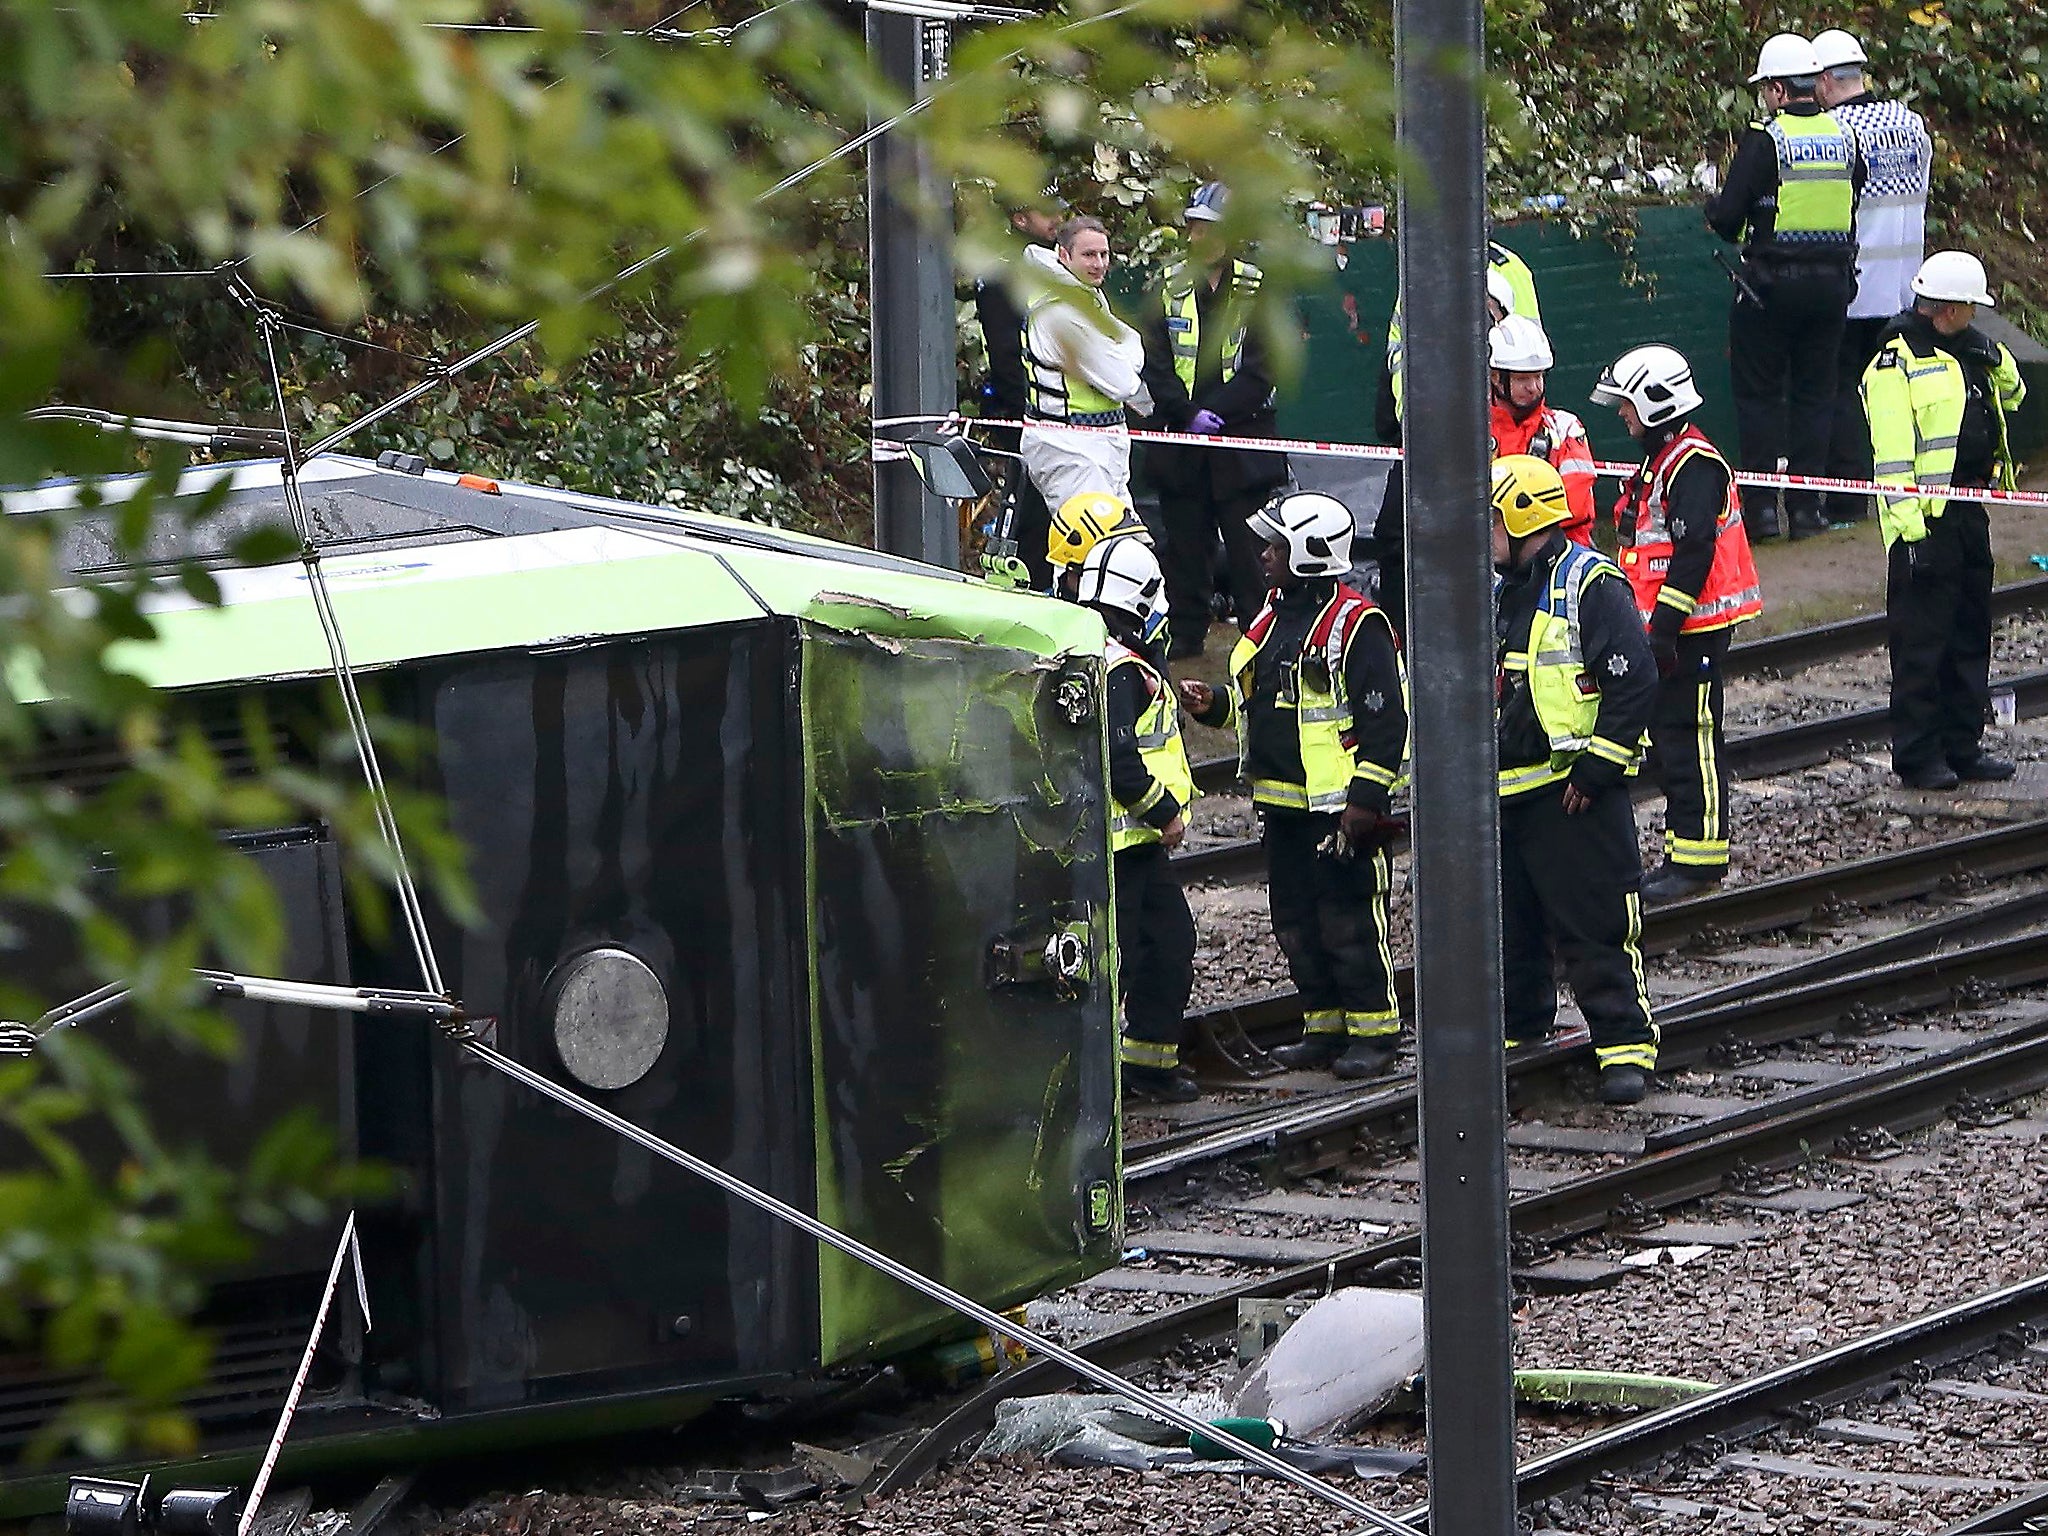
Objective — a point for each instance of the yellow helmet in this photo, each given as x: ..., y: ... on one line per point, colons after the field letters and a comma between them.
x: 1084, y: 521
x: 1528, y: 494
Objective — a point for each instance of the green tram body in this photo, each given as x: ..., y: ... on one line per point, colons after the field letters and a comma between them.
x: 836, y: 803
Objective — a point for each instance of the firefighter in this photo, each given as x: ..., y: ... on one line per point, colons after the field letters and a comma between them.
x: 1518, y: 358
x: 1510, y: 290
x: 1081, y: 368
x: 1938, y: 395
x: 1577, y: 689
x: 1685, y: 549
x: 1790, y: 198
x: 1206, y: 367
x: 1316, y: 694
x: 1081, y: 523
x: 1153, y: 786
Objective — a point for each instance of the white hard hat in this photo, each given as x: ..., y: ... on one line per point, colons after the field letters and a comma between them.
x: 1122, y: 574
x: 1954, y: 277
x: 1656, y: 380
x: 1316, y: 528
x: 1518, y: 345
x: 1498, y: 290
x: 1834, y: 48
x: 1785, y: 57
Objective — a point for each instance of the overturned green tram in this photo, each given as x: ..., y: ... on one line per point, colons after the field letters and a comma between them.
x: 792, y: 853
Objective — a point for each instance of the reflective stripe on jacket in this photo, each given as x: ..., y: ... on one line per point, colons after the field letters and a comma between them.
x: 1816, y: 181
x: 1915, y: 403
x: 1184, y: 320
x: 1732, y: 592
x: 1322, y: 709
x: 1161, y: 746
x: 1565, y: 695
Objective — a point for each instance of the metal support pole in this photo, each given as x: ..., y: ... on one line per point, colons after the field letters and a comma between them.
x: 910, y: 289
x: 1438, y: 49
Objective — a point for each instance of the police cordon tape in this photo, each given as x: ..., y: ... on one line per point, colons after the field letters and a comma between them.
x: 890, y: 448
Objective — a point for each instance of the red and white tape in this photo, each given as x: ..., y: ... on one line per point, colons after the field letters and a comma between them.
x: 890, y: 448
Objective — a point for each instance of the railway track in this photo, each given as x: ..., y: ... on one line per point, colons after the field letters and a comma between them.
x: 1751, y: 755
x: 1924, y: 1074
x: 1229, y: 1043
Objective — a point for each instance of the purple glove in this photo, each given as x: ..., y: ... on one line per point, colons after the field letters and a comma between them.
x: 1205, y: 422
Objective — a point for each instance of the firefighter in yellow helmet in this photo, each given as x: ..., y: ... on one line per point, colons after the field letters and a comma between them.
x: 1577, y: 687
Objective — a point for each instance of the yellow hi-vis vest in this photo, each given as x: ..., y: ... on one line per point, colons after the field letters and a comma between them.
x: 1160, y: 745
x: 1915, y: 404
x: 1322, y: 711
x: 1567, y: 699
x: 1050, y: 395
x: 1816, y: 186
x: 1184, y: 319
x: 1521, y: 289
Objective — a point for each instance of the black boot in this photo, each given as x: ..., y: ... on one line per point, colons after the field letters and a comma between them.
x: 1674, y: 882
x: 1805, y: 523
x: 1311, y: 1053
x: 1365, y: 1056
x: 1622, y: 1085
x: 1161, y: 1085
x: 1984, y: 769
x: 1760, y: 519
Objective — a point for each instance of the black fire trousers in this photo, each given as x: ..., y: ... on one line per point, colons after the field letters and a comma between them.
x: 1195, y: 514
x: 1849, y: 432
x: 1155, y: 937
x: 1330, y: 918
x: 1938, y: 608
x: 1782, y: 357
x: 1570, y: 889
x: 1692, y: 755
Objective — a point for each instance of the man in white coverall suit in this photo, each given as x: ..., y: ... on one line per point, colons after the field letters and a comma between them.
x: 1081, y: 368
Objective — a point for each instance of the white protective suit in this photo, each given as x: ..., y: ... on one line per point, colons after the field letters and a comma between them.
x: 1077, y: 335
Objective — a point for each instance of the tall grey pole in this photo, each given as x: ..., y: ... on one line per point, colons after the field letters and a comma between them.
x: 1437, y: 50
x: 910, y: 289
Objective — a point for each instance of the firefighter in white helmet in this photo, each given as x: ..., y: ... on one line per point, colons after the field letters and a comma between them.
x: 1152, y: 787
x: 1317, y: 696
x: 1686, y: 553
x: 1518, y: 361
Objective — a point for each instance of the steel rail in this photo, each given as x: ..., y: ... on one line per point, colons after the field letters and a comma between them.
x: 1751, y: 755
x: 2024, y: 1516
x: 1229, y: 1036
x: 1831, y: 1377
x: 1860, y: 1001
x: 2005, y: 1065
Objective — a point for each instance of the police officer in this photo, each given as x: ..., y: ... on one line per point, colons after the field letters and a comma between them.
x: 1017, y: 535
x: 1316, y: 695
x: 1081, y: 369
x: 1510, y: 290
x: 1891, y: 236
x: 1790, y: 198
x: 1686, y: 554
x: 1206, y: 367
x: 1577, y: 688
x: 1518, y: 361
x: 1152, y: 787
x: 1938, y: 395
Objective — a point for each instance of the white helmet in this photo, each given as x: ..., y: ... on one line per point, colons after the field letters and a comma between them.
x: 1953, y: 277
x: 1656, y: 380
x: 1788, y: 56
x: 1498, y: 290
x: 1518, y: 345
x: 1123, y: 574
x: 1834, y: 48
x: 1316, y: 528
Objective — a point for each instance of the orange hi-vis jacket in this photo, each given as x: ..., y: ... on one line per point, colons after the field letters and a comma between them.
x: 1560, y: 438
x: 1732, y: 591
